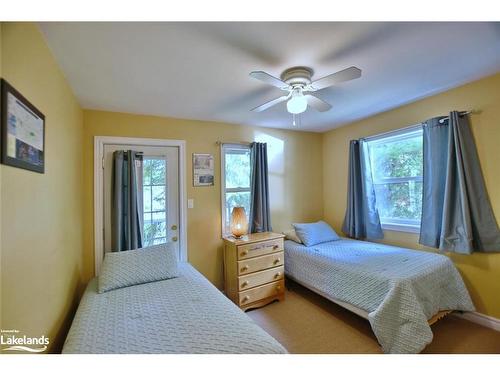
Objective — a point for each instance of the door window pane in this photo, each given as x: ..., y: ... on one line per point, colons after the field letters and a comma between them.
x: 154, y: 201
x: 158, y: 172
x: 146, y: 198
x: 158, y: 198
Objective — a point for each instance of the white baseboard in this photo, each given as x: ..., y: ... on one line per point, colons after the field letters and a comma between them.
x: 481, y: 319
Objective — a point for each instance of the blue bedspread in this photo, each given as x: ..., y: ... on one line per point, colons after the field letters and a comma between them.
x: 184, y: 315
x: 401, y: 289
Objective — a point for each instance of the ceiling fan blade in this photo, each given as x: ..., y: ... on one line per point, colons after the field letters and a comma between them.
x: 269, y: 79
x: 333, y: 79
x: 270, y: 103
x: 317, y: 103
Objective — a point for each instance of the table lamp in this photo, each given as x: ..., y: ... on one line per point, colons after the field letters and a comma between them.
x: 239, y: 222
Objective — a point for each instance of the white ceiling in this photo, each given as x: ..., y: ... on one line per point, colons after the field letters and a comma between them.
x: 200, y: 70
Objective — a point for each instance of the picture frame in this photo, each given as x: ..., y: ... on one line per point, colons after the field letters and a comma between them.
x: 203, y: 170
x: 22, y: 131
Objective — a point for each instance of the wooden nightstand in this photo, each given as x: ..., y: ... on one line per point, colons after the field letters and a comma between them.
x: 253, y: 269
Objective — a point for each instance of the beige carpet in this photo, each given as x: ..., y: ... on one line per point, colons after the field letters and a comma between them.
x: 308, y: 323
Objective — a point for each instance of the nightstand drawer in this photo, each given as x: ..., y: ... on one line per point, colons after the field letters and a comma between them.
x: 259, y: 248
x: 261, y: 263
x: 261, y: 292
x: 259, y: 278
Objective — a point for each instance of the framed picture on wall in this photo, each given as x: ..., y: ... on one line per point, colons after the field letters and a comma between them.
x: 203, y: 170
x: 22, y: 131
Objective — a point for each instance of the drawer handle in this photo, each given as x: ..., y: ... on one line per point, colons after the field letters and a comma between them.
x: 244, y: 268
x: 246, y: 298
x: 278, y: 287
x: 275, y: 247
x: 277, y: 260
x: 277, y: 275
x: 244, y: 283
x: 243, y: 253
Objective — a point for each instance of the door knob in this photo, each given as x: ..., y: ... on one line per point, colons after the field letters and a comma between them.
x: 173, y: 227
x: 174, y: 239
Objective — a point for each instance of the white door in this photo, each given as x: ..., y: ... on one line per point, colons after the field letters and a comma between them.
x: 160, y: 193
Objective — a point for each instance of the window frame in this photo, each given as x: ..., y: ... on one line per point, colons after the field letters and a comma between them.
x: 149, y: 157
x: 226, y: 231
x: 396, y: 224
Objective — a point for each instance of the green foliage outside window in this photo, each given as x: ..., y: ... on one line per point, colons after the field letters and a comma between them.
x: 237, y: 174
x: 397, y: 172
x: 238, y: 170
x: 154, y: 201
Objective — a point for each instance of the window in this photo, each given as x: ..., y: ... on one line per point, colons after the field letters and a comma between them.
x: 154, y: 200
x: 235, y: 181
x: 396, y: 162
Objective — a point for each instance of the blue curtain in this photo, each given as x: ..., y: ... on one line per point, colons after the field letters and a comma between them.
x: 260, y: 214
x: 361, y: 219
x: 126, y: 201
x: 456, y: 211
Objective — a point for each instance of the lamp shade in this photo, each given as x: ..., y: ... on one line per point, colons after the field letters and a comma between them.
x: 239, y: 222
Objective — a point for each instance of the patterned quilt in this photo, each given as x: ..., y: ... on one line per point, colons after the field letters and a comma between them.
x: 186, y: 314
x: 400, y: 288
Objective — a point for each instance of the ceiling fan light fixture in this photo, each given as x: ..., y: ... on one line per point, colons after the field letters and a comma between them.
x: 297, y: 103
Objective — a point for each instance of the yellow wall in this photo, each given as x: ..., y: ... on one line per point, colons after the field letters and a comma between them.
x: 1, y: 309
x: 481, y: 272
x: 41, y: 214
x: 294, y: 166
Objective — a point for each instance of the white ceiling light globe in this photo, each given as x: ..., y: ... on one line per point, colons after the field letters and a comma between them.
x: 297, y: 103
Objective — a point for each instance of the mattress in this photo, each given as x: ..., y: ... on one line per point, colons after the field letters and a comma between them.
x: 400, y: 289
x: 186, y: 314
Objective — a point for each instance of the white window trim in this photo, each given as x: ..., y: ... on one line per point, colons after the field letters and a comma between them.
x: 99, y: 142
x: 401, y: 228
x: 400, y: 225
x: 225, y: 231
x: 395, y: 224
x: 403, y: 133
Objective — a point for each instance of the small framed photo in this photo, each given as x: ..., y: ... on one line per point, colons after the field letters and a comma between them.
x: 203, y: 170
x: 22, y: 131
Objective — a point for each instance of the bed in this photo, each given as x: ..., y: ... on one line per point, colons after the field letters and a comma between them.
x: 400, y: 291
x: 185, y: 314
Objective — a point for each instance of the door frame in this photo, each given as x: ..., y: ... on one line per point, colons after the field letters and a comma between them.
x: 99, y: 142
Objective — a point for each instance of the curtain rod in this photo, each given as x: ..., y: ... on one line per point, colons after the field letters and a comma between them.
x: 219, y: 143
x: 371, y: 137
x: 462, y: 113
x: 125, y: 152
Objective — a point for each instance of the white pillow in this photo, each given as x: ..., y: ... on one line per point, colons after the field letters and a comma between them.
x: 132, y: 267
x: 292, y: 235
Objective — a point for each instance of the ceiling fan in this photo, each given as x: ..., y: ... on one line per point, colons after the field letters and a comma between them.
x: 301, y: 89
